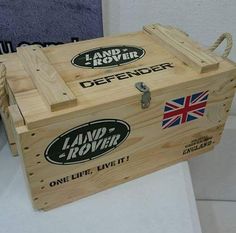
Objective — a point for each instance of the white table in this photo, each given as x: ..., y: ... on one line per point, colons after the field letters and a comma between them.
x: 160, y: 202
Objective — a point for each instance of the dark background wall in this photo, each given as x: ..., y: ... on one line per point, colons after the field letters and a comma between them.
x: 48, y: 21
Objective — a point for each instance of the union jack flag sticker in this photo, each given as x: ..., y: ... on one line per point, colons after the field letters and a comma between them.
x: 184, y: 109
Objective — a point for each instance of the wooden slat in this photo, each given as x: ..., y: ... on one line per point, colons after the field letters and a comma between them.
x: 15, y: 116
x: 10, y: 134
x: 47, y: 80
x: 15, y: 120
x: 185, y: 49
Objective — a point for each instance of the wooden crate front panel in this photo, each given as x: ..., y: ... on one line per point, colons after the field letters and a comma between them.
x: 147, y: 148
x: 54, y: 187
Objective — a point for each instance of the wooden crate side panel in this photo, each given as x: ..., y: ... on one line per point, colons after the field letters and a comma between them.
x: 10, y: 133
x: 147, y: 141
x: 9, y: 127
x: 12, y: 121
x: 81, y: 183
x: 124, y: 169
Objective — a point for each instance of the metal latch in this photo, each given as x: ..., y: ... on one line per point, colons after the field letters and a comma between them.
x: 146, y: 94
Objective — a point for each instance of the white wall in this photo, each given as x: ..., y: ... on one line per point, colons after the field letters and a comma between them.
x: 214, y: 174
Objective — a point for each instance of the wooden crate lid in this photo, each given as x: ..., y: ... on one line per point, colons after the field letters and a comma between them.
x: 47, y: 86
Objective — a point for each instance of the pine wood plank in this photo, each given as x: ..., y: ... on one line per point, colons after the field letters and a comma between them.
x: 184, y: 48
x: 10, y: 133
x: 16, y: 117
x: 47, y: 80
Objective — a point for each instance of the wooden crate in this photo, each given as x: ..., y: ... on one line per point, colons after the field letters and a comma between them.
x: 90, y: 115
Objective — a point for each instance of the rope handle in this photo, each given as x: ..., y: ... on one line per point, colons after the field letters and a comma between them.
x: 225, y: 36
x: 229, y: 44
x: 3, y: 95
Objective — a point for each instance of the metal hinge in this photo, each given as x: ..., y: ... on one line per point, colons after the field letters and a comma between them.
x: 146, y: 94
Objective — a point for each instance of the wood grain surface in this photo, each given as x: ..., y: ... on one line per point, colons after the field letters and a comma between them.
x: 36, y: 120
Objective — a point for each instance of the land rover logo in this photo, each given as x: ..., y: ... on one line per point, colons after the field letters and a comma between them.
x: 86, y: 142
x: 108, y: 56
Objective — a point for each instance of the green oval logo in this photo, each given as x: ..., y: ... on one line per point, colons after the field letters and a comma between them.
x: 87, y: 142
x: 106, y: 57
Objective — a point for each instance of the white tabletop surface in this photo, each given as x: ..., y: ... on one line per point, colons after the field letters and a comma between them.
x: 161, y: 202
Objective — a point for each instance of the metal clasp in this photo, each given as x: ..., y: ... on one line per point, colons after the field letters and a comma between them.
x: 146, y: 94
